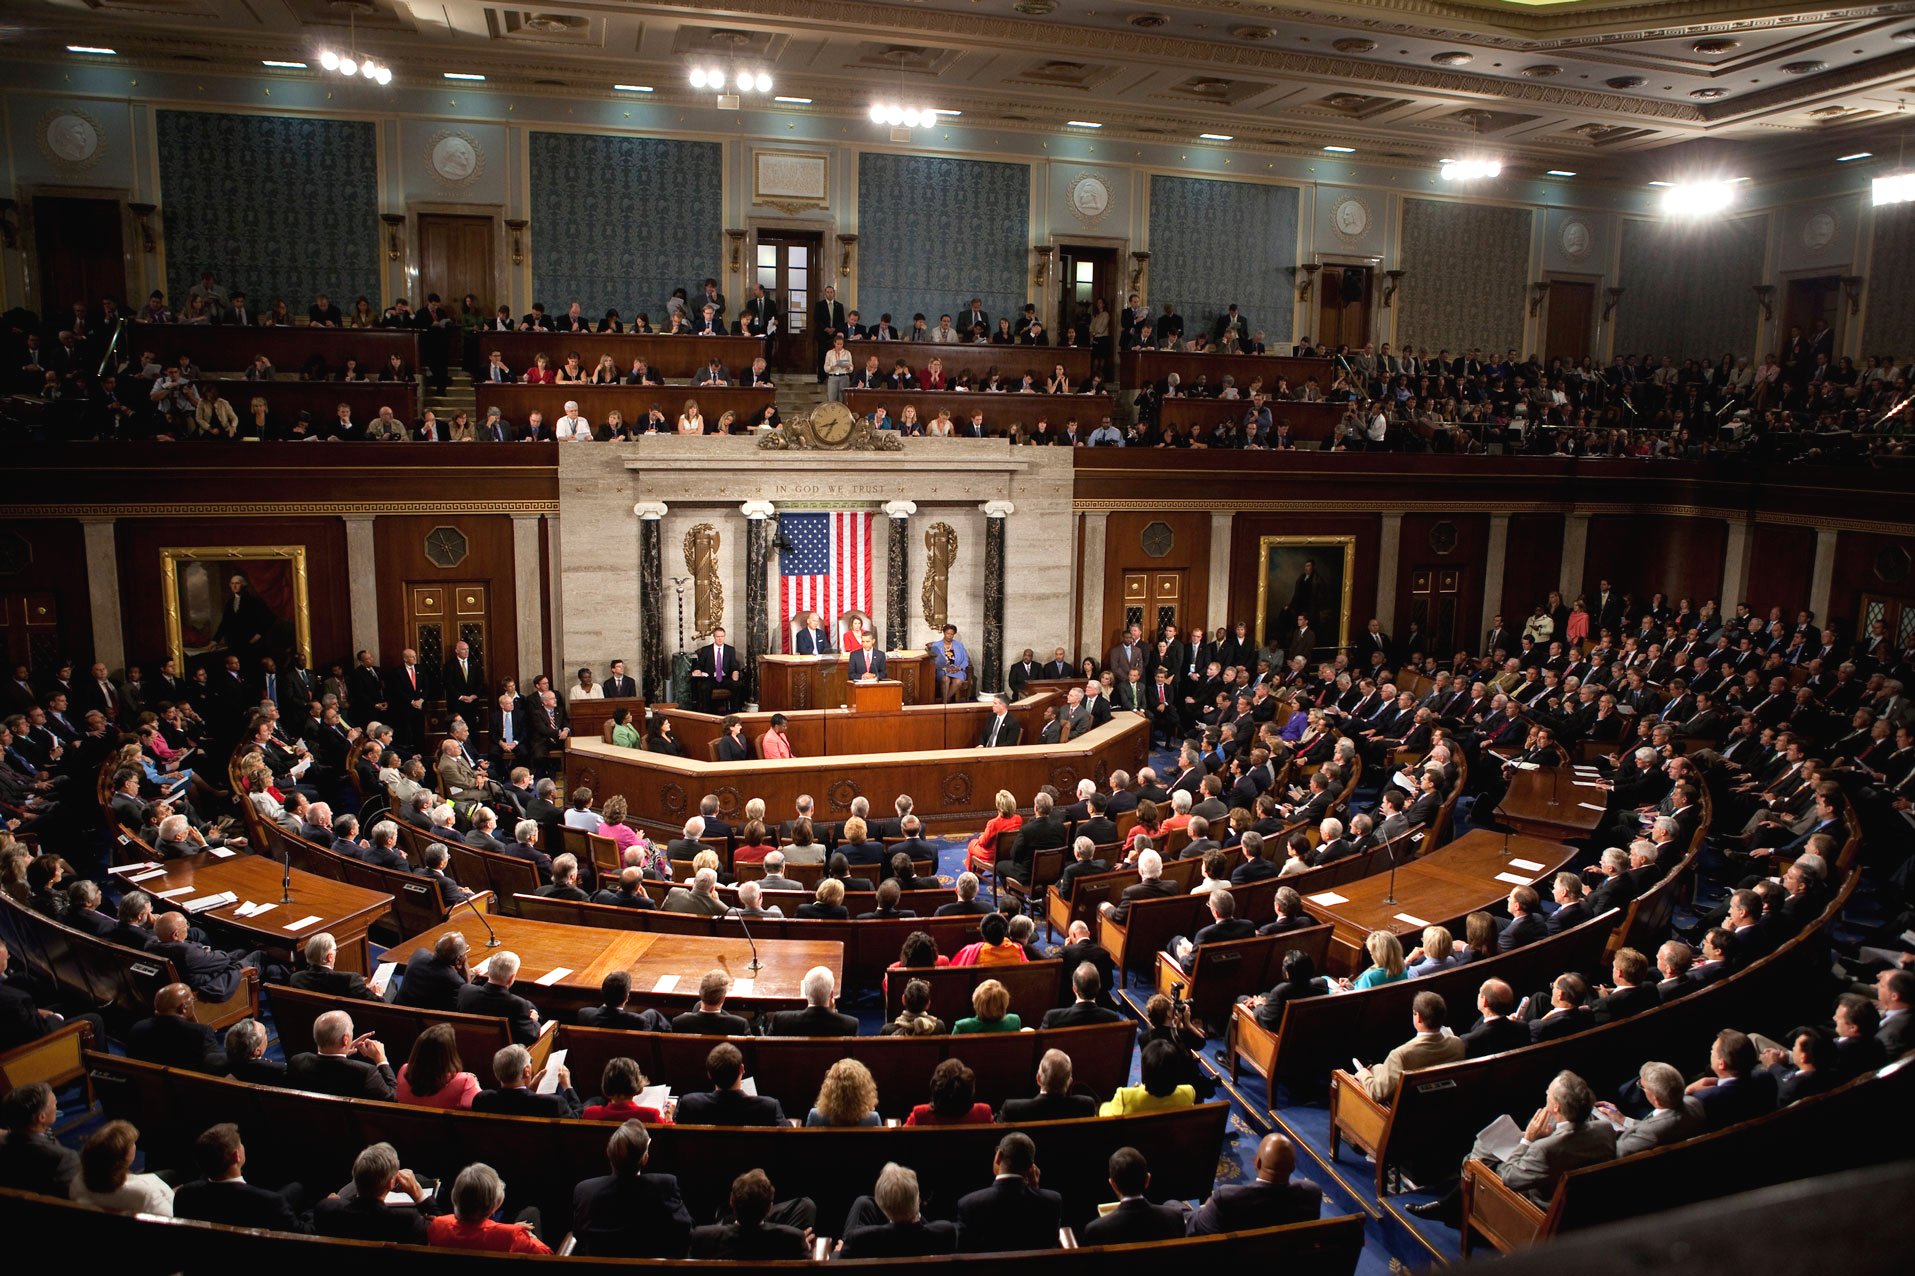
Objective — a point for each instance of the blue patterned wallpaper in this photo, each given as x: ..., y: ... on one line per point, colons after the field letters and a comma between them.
x: 618, y: 222
x: 1687, y: 287
x: 239, y: 193
x: 1468, y: 275
x: 1213, y: 243
x: 1888, y: 326
x: 935, y: 232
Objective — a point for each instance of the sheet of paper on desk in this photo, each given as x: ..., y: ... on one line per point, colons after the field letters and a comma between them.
x: 1411, y: 919
x: 553, y: 975
x: 666, y: 983
x: 221, y: 853
x: 1328, y: 898
x: 262, y: 908
x: 147, y: 876
x: 1531, y: 865
x: 479, y: 969
x: 1514, y: 879
x: 743, y: 987
x: 549, y: 1079
x: 175, y: 893
x: 1592, y: 806
x: 1587, y: 784
x: 302, y: 923
x: 1521, y: 765
x: 140, y: 867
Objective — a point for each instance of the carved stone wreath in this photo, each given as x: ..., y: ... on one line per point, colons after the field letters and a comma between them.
x: 674, y: 800
x: 730, y: 800
x: 955, y: 791
x: 588, y: 777
x: 1101, y: 773
x: 841, y: 793
x: 1064, y: 780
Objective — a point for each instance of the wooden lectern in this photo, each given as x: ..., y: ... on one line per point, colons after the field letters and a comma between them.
x: 868, y: 697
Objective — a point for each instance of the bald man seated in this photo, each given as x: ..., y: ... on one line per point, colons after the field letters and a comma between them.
x: 1273, y: 1199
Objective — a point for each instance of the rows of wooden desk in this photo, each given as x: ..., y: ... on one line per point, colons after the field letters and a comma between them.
x: 1141, y: 367
x: 346, y: 912
x: 675, y: 357
x: 224, y: 348
x: 1553, y: 802
x: 978, y: 360
x: 632, y: 402
x: 1309, y: 422
x: 321, y: 399
x: 1001, y: 411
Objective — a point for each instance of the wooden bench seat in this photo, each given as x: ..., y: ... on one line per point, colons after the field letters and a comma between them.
x: 1034, y: 986
x: 1221, y: 973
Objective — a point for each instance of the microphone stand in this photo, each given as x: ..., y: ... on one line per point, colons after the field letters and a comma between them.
x: 491, y: 936
x: 756, y: 965
x: 286, y: 879
x: 1389, y: 849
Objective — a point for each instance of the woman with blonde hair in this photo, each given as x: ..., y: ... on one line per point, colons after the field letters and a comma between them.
x: 106, y: 1179
x: 612, y: 823
x: 1437, y: 952
x: 983, y: 850
x: 990, y: 1010
x: 848, y: 1097
x: 691, y: 420
x: 1386, y: 962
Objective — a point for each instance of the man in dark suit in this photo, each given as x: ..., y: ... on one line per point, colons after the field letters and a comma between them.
x: 223, y: 1195
x: 31, y: 1159
x: 1042, y: 832
x: 817, y: 1019
x: 494, y: 996
x: 1022, y: 671
x: 1151, y: 885
x: 619, y: 684
x: 1275, y: 1198
x: 1079, y: 948
x: 1083, y: 862
x: 212, y: 974
x: 614, y: 1009
x: 827, y: 321
x: 751, y: 1235
x: 463, y: 681
x: 1494, y: 1031
x: 341, y: 1064
x: 812, y: 640
x: 1001, y: 730
x: 1053, y: 1101
x: 173, y: 1037
x: 1525, y: 924
x: 1566, y: 1014
x: 629, y: 1213
x: 365, y: 1216
x: 711, y: 1018
x: 1057, y: 666
x: 318, y: 974
x: 433, y: 981
x: 512, y: 1068
x: 1014, y: 1213
x: 716, y: 665
x: 888, y: 1224
x: 408, y: 691
x: 1135, y: 1218
x: 1087, y: 986
x: 1739, y: 1088
x: 867, y: 662
x: 510, y: 731
x: 726, y: 1103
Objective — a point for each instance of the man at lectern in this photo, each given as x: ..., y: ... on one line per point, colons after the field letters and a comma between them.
x: 867, y: 663
x: 812, y: 639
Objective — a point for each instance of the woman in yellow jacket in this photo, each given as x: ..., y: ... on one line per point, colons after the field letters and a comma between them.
x: 1159, y: 1090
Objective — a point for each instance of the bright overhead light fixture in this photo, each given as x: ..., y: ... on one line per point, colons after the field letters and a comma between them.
x: 1658, y: 183
x: 1896, y: 188
x: 1560, y: 172
x: 793, y: 101
x: 1698, y: 199
x: 1217, y: 137
x: 1340, y: 150
x: 633, y: 88
x: 463, y: 75
x: 290, y: 66
x: 940, y: 110
x: 1469, y: 170
x: 1082, y: 124
x: 99, y: 49
x: 1843, y: 159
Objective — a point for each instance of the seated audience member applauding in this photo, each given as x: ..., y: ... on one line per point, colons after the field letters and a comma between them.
x: 888, y: 1224
x: 1437, y: 952
x: 106, y: 1179
x: 629, y: 1213
x: 847, y: 1096
x: 620, y: 1085
x: 477, y: 1194
x: 1014, y: 1213
x: 1275, y: 1198
x: 990, y: 1009
x: 1159, y: 1089
x: 953, y: 1098
x: 433, y: 1077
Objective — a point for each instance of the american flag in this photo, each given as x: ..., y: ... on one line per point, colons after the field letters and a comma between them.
x: 827, y: 569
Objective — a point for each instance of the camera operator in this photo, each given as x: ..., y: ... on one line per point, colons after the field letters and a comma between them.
x: 1169, y: 1020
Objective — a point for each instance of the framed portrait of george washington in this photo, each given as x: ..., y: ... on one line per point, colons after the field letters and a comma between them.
x: 247, y: 600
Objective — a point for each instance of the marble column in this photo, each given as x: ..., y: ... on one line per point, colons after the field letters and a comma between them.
x: 362, y: 585
x: 1090, y: 581
x: 1735, y: 563
x: 1386, y: 560
x: 897, y: 594
x: 655, y: 669
x: 555, y: 594
x: 1821, y: 576
x: 1494, y: 562
x: 757, y: 586
x: 995, y: 512
x: 1217, y: 607
x: 103, y: 591
x: 525, y: 580
x: 1575, y: 547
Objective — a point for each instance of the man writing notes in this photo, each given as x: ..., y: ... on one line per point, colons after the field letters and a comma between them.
x: 715, y: 666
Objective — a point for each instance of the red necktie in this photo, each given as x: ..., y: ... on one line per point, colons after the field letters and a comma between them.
x: 412, y: 676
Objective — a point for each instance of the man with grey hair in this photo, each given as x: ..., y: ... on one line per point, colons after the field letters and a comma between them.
x: 437, y: 861
x: 1617, y: 888
x: 699, y: 899
x: 317, y: 827
x: 749, y: 895
x: 382, y: 848
x: 480, y: 835
x: 817, y: 1019
x: 1054, y: 1100
x: 1564, y: 1135
x: 1083, y: 860
x: 246, y: 1055
x: 365, y: 1216
x: 318, y: 974
x: 801, y: 810
x: 1676, y: 1115
x: 774, y: 878
x: 493, y: 995
x: 686, y: 846
x: 527, y: 835
x: 518, y: 1085
x: 887, y: 1223
x: 1254, y: 867
x: 1150, y: 885
x: 341, y: 1064
x: 433, y: 980
x: 564, y: 884
x: 967, y: 904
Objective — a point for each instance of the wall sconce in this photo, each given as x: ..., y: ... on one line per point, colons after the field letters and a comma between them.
x: 1138, y: 261
x: 737, y: 238
x: 1394, y: 280
x: 395, y: 234
x: 9, y: 229
x: 1852, y: 289
x: 1308, y: 283
x: 517, y: 226
x: 1537, y: 292
x: 1765, y: 297
x: 143, y: 216
x: 1043, y: 266
x: 1610, y: 297
x: 846, y: 245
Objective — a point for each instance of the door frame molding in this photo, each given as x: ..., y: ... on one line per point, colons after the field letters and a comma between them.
x: 501, y: 252
x: 1047, y: 296
x: 1595, y: 315
x: 132, y: 248
x: 1373, y: 262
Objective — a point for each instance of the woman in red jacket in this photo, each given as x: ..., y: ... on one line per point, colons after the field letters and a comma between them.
x: 981, y: 854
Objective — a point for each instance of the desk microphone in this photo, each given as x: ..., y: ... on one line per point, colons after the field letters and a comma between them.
x: 286, y: 878
x: 1389, y: 849
x: 491, y: 936
x: 756, y: 965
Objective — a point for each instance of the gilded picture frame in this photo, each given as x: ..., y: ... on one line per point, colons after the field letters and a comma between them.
x: 1280, y: 561
x: 195, y: 592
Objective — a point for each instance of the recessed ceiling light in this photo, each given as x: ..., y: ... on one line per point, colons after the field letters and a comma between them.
x: 1560, y: 172
x: 1082, y: 124
x: 93, y: 48
x: 1341, y: 150
x: 793, y: 101
x: 1216, y: 137
x: 633, y: 88
x: 1843, y: 159
x: 463, y: 75
x: 290, y: 66
x: 1658, y: 183
x: 945, y: 111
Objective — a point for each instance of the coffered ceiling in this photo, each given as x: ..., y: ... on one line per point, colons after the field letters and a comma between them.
x: 1594, y: 85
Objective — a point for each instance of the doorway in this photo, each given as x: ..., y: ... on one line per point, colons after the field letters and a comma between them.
x: 788, y: 265
x: 1343, y: 305
x: 456, y: 257
x: 82, y: 253
x: 1811, y: 302
x: 1153, y: 600
x: 30, y: 631
x: 440, y: 616
x: 1086, y: 272
x: 1566, y: 332
x: 1436, y: 595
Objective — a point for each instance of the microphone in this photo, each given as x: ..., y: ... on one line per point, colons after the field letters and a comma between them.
x: 286, y: 878
x: 1389, y: 849
x: 491, y: 936
x: 756, y: 965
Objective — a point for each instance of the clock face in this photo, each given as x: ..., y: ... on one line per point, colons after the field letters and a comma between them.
x: 1351, y: 218
x: 831, y: 424
x: 446, y: 546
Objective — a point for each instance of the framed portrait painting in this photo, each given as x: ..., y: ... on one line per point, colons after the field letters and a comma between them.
x: 1303, y: 592
x: 249, y: 600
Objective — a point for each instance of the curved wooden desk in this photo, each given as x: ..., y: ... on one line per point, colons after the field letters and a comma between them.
x: 953, y: 783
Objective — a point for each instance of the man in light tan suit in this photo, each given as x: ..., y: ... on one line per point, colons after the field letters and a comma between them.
x: 1428, y: 1048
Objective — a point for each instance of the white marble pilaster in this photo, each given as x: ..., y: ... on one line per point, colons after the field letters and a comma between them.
x: 362, y: 584
x: 1821, y: 578
x: 1494, y: 561
x: 1386, y: 561
x: 555, y: 575
x: 1735, y: 563
x: 525, y: 579
x: 1575, y: 547
x: 103, y: 591
x: 1090, y: 614
x: 1217, y: 608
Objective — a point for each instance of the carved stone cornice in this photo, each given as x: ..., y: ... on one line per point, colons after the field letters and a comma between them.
x: 271, y: 509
